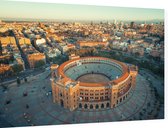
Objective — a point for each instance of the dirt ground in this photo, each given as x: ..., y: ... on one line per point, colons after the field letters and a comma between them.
x: 93, y: 78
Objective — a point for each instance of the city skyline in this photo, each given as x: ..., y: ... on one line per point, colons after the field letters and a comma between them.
x: 54, y: 11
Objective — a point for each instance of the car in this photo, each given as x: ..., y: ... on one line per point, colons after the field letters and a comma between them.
x: 25, y: 94
x: 8, y: 101
x: 50, y: 92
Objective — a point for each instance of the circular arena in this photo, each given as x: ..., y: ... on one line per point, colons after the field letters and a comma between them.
x: 92, y: 83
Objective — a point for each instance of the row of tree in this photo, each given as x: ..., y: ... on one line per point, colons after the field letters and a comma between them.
x: 159, y: 70
x: 86, y: 51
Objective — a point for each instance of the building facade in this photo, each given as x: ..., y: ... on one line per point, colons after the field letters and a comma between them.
x: 91, y: 43
x: 5, y: 71
x: 34, y: 58
x: 71, y: 93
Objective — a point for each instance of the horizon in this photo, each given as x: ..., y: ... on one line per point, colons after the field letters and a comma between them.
x: 71, y: 20
x: 71, y: 12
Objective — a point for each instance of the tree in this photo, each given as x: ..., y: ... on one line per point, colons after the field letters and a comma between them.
x: 25, y: 79
x: 137, y: 54
x: 148, y: 104
x: 17, y: 68
x: 18, y: 80
x: 39, y: 64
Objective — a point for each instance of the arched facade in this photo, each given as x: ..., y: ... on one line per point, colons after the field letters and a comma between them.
x: 83, y: 95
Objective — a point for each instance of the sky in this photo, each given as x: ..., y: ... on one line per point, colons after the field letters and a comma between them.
x: 54, y: 11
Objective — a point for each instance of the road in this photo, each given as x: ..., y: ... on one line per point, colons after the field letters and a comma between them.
x: 22, y: 54
x: 25, y: 74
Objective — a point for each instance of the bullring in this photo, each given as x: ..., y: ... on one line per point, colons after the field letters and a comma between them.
x: 92, y: 83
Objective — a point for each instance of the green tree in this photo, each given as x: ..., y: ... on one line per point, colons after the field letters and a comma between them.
x: 39, y: 64
x: 18, y: 80
x: 17, y: 68
x: 25, y: 79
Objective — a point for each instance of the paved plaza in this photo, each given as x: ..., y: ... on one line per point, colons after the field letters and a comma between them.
x: 31, y: 104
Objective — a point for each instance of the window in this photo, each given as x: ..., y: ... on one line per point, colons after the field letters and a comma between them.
x: 85, y: 106
x: 91, y: 98
x: 120, y: 99
x: 97, y: 106
x: 107, y: 105
x: 80, y: 105
x: 91, y: 106
x: 102, y: 105
x: 86, y: 98
x: 96, y: 98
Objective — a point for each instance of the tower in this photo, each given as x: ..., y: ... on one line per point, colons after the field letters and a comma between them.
x: 133, y: 73
x: 54, y: 76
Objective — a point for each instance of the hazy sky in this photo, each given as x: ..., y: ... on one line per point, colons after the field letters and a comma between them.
x: 13, y: 9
